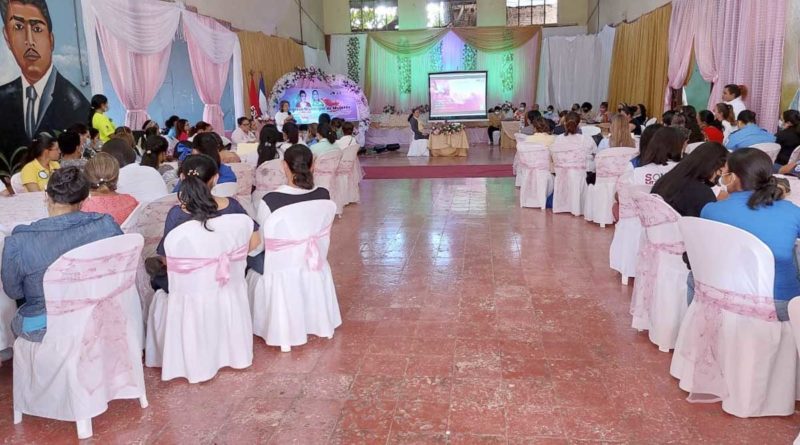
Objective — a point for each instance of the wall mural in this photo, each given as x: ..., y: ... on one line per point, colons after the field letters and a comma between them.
x: 41, y: 80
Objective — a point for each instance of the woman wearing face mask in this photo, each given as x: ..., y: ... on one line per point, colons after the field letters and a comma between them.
x: 495, y: 119
x: 755, y: 204
x: 98, y: 118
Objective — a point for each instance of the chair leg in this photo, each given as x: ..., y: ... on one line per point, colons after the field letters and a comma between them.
x: 624, y: 280
x: 17, y: 417
x: 286, y: 349
x: 143, y: 402
x: 84, y: 428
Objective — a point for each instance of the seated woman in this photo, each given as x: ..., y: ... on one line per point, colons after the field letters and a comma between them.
x: 347, y: 139
x: 327, y: 141
x: 413, y: 121
x: 495, y: 123
x: 69, y: 143
x: 573, y: 138
x: 644, y: 143
x: 619, y: 135
x: 298, y: 166
x: 542, y: 134
x: 696, y: 134
x: 291, y: 136
x: 789, y: 139
x: 155, y: 155
x: 711, y: 127
x: 688, y: 186
x: 209, y: 144
x: 102, y: 172
x: 199, y: 175
x: 756, y: 205
x: 311, y: 134
x: 41, y: 161
x: 268, y: 141
x: 32, y: 248
x: 663, y: 153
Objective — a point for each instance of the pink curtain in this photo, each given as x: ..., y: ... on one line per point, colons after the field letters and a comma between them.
x: 211, y: 47
x: 682, y: 28
x: 748, y: 43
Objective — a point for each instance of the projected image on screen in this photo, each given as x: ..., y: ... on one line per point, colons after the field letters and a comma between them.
x: 457, y: 95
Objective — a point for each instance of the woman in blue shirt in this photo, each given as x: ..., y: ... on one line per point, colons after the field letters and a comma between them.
x: 32, y: 248
x: 209, y: 144
x: 748, y: 133
x: 756, y: 205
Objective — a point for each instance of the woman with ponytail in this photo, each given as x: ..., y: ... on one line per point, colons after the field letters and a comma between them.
x: 98, y: 119
x: 724, y: 114
x: 327, y: 140
x: 573, y: 138
x: 268, y: 141
x: 102, y: 172
x: 199, y: 174
x: 734, y: 95
x: 755, y: 204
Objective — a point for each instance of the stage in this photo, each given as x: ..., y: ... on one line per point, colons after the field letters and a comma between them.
x: 482, y: 161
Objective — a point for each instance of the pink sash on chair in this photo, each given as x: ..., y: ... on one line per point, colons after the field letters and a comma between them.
x: 708, y: 378
x: 105, y: 336
x: 345, y: 168
x: 223, y: 262
x: 313, y: 257
x: 565, y: 161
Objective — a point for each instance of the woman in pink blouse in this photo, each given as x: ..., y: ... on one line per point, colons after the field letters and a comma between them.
x: 102, y: 171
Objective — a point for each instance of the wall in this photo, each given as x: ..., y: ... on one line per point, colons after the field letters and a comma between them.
x: 491, y: 12
x: 412, y: 14
x: 336, y: 15
x: 573, y: 12
x: 606, y: 12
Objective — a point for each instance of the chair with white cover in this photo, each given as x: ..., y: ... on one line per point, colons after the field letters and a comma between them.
x: 269, y: 176
x: 245, y: 178
x: 16, y: 183
x: 418, y: 148
x: 520, y: 137
x: 624, y: 250
x: 731, y: 346
x: 496, y: 136
x: 348, y: 177
x: 770, y: 148
x: 610, y: 164
x: 658, y: 303
x: 325, y: 167
x: 296, y: 295
x: 590, y: 130
x: 533, y: 172
x: 8, y: 308
x: 225, y: 190
x: 204, y: 323
x: 650, y: 122
x: 90, y: 354
x: 570, y: 184
x: 692, y: 147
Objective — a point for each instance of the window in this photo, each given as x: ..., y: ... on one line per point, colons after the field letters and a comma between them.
x: 531, y: 12
x: 367, y: 15
x: 444, y: 13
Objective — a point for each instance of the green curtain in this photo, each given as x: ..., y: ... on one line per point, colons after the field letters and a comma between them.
x: 407, y: 43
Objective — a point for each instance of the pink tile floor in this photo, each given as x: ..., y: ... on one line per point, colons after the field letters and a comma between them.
x: 467, y: 320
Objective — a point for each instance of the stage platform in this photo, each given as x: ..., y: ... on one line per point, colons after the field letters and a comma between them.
x: 483, y: 161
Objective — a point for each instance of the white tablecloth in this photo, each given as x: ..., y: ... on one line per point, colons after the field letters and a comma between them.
x: 23, y: 208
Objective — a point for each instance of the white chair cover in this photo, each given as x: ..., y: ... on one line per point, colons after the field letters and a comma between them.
x: 624, y: 249
x: 8, y: 308
x: 533, y: 173
x: 610, y: 163
x: 296, y: 296
x: 418, y: 147
x: 520, y: 137
x: 325, y: 167
x: 730, y: 346
x: 148, y: 221
x: 91, y: 352
x: 348, y: 176
x: 203, y: 324
x: 691, y: 147
x: 245, y: 179
x: 770, y: 148
x: 16, y: 183
x: 225, y: 190
x: 269, y: 176
x: 590, y: 130
x: 570, y: 183
x: 658, y: 303
x: 650, y: 122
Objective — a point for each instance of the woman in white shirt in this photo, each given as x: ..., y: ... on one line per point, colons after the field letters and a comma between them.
x: 662, y: 154
x: 347, y: 139
x: 734, y: 96
x: 283, y: 115
x: 291, y: 136
x: 619, y: 136
x: 572, y: 139
x: 724, y: 113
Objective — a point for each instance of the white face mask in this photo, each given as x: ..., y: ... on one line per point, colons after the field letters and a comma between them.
x: 722, y: 185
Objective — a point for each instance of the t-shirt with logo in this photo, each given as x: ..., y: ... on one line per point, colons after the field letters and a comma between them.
x: 34, y: 172
x: 650, y: 173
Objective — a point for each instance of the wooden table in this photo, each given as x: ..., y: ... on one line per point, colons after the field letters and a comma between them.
x: 507, y: 131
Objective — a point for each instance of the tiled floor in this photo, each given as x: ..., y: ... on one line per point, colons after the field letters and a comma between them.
x: 479, y: 154
x: 466, y: 321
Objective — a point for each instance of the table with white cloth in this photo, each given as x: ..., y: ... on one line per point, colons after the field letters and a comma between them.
x: 507, y: 131
x: 454, y: 144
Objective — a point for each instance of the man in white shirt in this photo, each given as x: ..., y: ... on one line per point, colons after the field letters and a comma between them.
x: 243, y: 134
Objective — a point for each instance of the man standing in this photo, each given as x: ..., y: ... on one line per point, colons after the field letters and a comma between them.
x: 40, y: 99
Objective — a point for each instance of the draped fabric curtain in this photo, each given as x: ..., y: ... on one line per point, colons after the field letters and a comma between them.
x: 316, y: 57
x: 748, y: 49
x: 511, y: 75
x: 639, y: 61
x: 211, y: 47
x: 682, y: 30
x: 136, y: 47
x: 271, y: 56
x: 494, y: 39
x: 566, y: 62
x: 790, y: 90
x: 348, y: 56
x: 408, y: 43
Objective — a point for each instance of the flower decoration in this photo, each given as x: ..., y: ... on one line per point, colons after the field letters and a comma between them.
x: 446, y: 128
x: 507, y: 75
x: 470, y: 57
x: 389, y: 109
x: 353, y: 48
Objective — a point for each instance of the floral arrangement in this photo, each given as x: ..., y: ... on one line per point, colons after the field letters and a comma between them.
x: 445, y: 128
x: 353, y: 48
x: 470, y: 57
x: 507, y: 75
x: 404, y: 68
x: 389, y: 109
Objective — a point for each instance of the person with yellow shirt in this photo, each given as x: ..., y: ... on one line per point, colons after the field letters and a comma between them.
x: 43, y: 155
x: 97, y: 118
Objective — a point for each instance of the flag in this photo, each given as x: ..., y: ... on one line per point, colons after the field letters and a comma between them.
x: 253, y: 95
x: 262, y: 97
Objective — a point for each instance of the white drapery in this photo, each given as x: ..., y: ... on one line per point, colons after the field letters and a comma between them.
x: 575, y: 69
x: 316, y: 57
x: 339, y: 55
x: 136, y: 37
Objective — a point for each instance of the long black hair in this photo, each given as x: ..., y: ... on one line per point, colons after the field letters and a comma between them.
x: 325, y: 131
x: 696, y: 134
x: 268, y: 141
x: 299, y: 159
x: 708, y: 118
x: 98, y: 100
x: 153, y: 146
x: 43, y: 141
x: 208, y: 144
x: 666, y: 145
x: 753, y: 167
x: 195, y: 195
x: 792, y: 117
x: 292, y: 132
x: 700, y: 165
